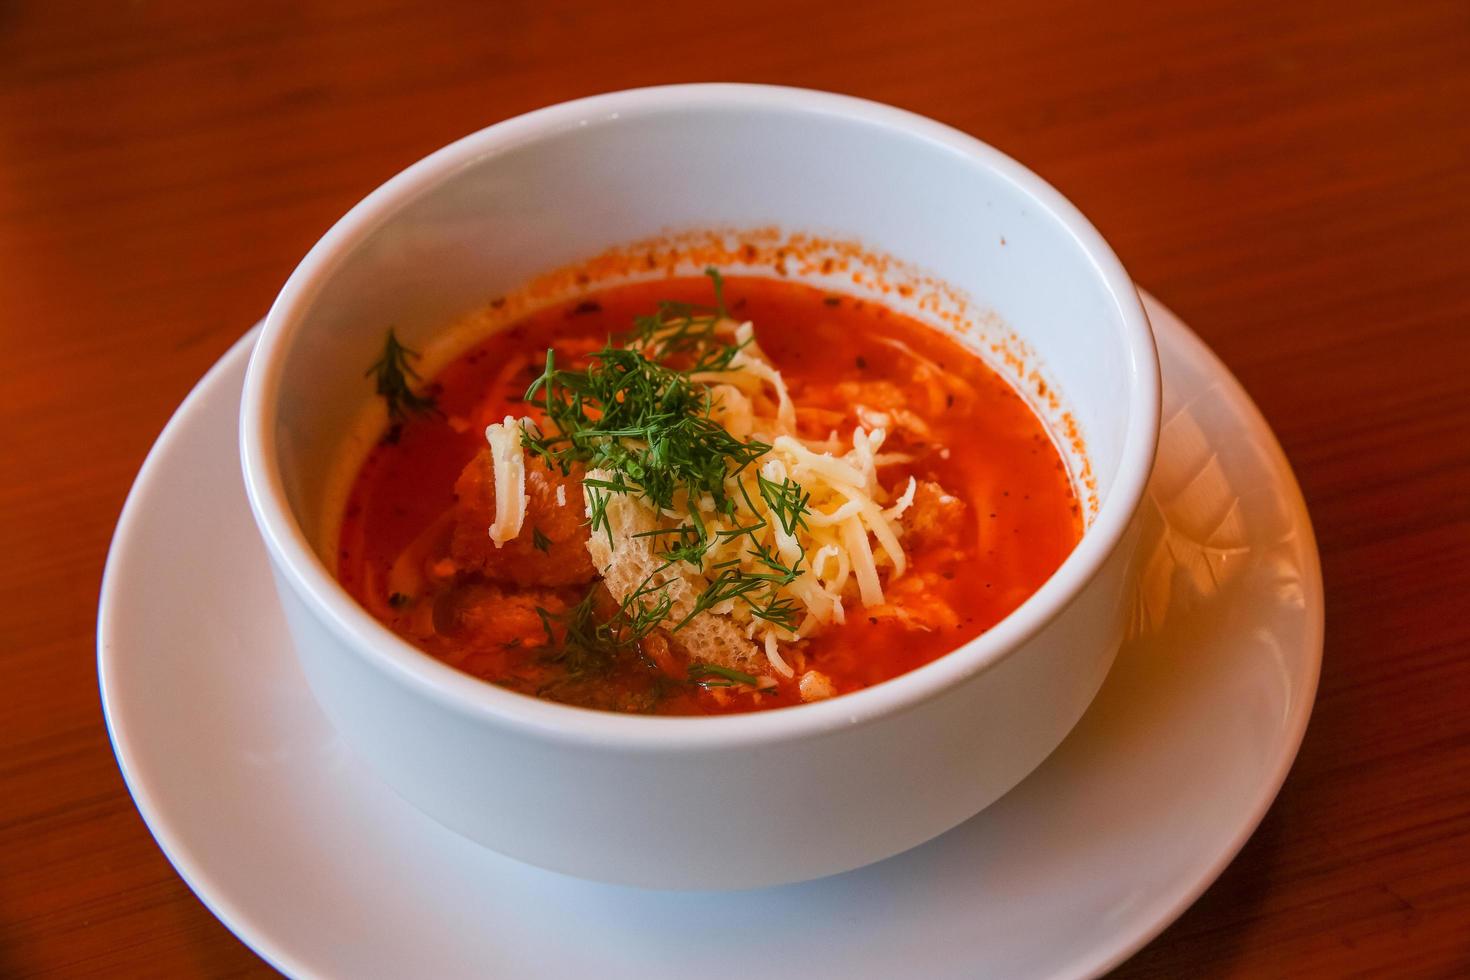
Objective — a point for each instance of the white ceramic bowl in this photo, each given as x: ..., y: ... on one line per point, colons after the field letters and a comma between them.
x: 722, y: 802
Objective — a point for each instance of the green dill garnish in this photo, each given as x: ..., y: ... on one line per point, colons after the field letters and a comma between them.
x: 541, y: 541
x: 397, y: 599
x: 756, y: 589
x: 393, y: 371
x: 638, y: 413
x: 644, y: 420
x: 697, y: 673
x: 588, y: 642
x: 587, y: 646
x: 786, y: 501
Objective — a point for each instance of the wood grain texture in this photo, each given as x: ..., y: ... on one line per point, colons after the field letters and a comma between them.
x: 1292, y: 178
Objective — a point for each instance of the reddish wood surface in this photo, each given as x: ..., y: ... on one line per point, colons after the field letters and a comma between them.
x: 1293, y: 178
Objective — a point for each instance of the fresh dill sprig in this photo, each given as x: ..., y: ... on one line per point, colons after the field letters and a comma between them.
x: 786, y: 500
x: 645, y: 421
x: 393, y: 371
x: 687, y: 330
x: 698, y: 673
x: 757, y: 589
x: 637, y: 412
x: 588, y: 643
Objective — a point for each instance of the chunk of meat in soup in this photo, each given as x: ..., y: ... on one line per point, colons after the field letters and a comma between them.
x: 483, y: 616
x: 935, y: 518
x: 554, y: 508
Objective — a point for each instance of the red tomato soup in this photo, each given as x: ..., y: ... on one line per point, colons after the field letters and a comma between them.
x: 763, y: 578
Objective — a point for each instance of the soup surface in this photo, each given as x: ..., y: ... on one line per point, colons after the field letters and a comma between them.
x: 818, y: 495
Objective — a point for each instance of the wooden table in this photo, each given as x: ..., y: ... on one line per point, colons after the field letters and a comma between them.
x: 1294, y: 179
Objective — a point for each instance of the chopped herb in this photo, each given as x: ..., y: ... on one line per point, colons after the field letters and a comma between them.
x: 638, y: 412
x: 541, y: 541
x: 699, y: 671
x: 588, y: 643
x: 587, y: 650
x: 392, y: 372
x: 397, y: 600
x: 646, y: 421
x: 786, y: 501
x: 585, y: 647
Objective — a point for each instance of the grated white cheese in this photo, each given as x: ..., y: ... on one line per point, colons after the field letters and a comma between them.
x: 773, y: 654
x: 849, y: 516
x: 509, y: 466
x: 903, y: 503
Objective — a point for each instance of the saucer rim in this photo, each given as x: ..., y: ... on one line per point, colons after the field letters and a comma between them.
x: 1167, y: 908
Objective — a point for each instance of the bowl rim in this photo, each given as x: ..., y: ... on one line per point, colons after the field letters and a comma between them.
x: 298, y: 565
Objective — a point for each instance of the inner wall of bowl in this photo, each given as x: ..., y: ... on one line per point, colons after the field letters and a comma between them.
x: 517, y: 209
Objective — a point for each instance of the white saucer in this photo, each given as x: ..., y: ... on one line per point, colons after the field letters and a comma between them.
x: 325, y: 872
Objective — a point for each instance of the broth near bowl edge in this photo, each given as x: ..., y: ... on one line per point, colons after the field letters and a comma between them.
x: 738, y: 607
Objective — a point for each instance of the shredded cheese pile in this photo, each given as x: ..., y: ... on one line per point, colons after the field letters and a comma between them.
x: 849, y: 531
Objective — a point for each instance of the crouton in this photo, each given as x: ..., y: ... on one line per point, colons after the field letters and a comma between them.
x: 626, y: 564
